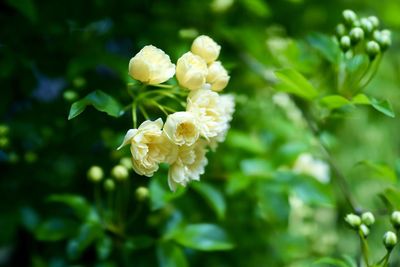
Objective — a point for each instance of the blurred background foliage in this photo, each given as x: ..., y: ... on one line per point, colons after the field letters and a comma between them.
x: 251, y: 208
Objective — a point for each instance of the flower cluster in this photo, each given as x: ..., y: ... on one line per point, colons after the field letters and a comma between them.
x: 182, y: 141
x: 362, y: 32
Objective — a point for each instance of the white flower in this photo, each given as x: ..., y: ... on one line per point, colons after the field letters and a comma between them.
x: 217, y: 76
x: 307, y: 164
x: 181, y: 128
x: 191, y: 71
x: 151, y: 65
x: 189, y: 165
x: 206, y: 47
x: 205, y: 106
x: 149, y: 147
x: 226, y: 109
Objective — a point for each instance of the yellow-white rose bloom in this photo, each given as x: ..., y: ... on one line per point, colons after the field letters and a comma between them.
x: 217, y: 76
x: 206, y: 48
x: 205, y: 106
x: 191, y: 71
x: 307, y: 164
x: 226, y: 110
x: 151, y: 65
x: 181, y: 128
x: 149, y: 147
x: 189, y: 165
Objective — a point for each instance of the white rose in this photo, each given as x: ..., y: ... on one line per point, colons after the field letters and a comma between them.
x: 181, y: 128
x: 191, y: 71
x: 205, y: 106
x: 151, y: 65
x: 217, y: 76
x: 206, y: 47
x: 189, y: 165
x: 149, y: 147
x: 307, y: 164
x: 226, y: 109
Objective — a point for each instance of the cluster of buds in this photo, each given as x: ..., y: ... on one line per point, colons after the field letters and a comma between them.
x: 362, y: 32
x: 182, y: 141
x: 363, y: 223
x: 119, y: 173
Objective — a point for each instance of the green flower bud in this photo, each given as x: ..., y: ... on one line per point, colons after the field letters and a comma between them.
x: 364, y: 230
x: 353, y: 220
x: 372, y: 48
x: 109, y: 185
x: 95, y: 174
x: 126, y: 162
x: 345, y: 43
x: 356, y: 35
x: 389, y: 240
x: 386, y: 32
x: 366, y: 25
x: 376, y: 35
x: 142, y: 193
x: 385, y: 41
x: 4, y: 142
x: 30, y: 157
x: 4, y: 129
x: 368, y: 218
x: 395, y: 219
x: 374, y: 21
x: 119, y: 172
x: 70, y: 95
x: 340, y: 30
x: 79, y: 82
x: 349, y: 17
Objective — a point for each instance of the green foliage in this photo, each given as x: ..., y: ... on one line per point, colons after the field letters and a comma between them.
x: 297, y: 92
x: 99, y: 100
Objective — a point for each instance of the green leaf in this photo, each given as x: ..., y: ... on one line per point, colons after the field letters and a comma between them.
x: 78, y: 204
x: 382, y: 106
x: 245, y: 142
x: 391, y: 197
x: 139, y: 242
x: 334, y: 101
x: 160, y: 194
x: 55, y: 229
x: 25, y: 7
x: 382, y: 171
x: 88, y: 233
x: 326, y: 45
x: 361, y: 99
x: 207, y: 237
x: 170, y: 255
x: 213, y: 197
x: 98, y: 99
x: 332, y: 262
x: 256, y: 167
x: 257, y: 7
x: 104, y: 247
x: 293, y: 82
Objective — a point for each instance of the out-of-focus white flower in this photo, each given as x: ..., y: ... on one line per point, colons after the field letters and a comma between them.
x: 221, y: 5
x: 307, y: 164
x: 283, y: 101
x: 206, y: 48
x: 149, y: 147
x: 191, y: 71
x: 151, y: 65
x: 205, y: 106
x: 217, y: 76
x: 181, y: 128
x: 189, y: 165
